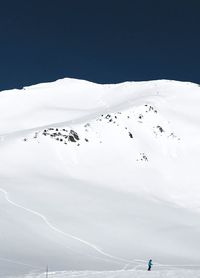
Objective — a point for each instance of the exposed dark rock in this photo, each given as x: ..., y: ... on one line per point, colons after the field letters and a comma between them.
x: 143, y: 157
x: 74, y: 134
x: 36, y: 135
x: 172, y: 135
x: 71, y: 138
x: 130, y: 134
x: 160, y: 128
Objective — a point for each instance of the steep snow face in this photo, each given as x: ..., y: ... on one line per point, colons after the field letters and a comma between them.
x: 99, y: 176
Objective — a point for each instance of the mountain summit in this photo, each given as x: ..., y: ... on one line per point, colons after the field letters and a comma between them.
x: 99, y: 177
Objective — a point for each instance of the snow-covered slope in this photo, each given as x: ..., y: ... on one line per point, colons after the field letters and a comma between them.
x: 99, y: 177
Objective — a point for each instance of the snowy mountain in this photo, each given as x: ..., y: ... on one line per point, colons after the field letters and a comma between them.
x: 100, y: 178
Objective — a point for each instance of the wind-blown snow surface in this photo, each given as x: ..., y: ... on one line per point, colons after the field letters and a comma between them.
x: 100, y: 178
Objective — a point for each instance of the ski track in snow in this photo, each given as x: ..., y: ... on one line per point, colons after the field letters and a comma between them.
x: 139, y: 263
x: 94, y: 247
x: 17, y: 262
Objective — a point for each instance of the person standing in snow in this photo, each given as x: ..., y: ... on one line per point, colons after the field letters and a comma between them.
x: 149, y: 265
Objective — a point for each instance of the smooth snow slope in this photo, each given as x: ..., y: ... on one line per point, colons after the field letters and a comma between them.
x: 99, y: 177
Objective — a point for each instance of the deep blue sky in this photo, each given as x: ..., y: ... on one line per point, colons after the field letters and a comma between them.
x: 101, y: 41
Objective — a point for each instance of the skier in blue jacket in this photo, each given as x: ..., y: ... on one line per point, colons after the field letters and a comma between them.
x: 149, y: 265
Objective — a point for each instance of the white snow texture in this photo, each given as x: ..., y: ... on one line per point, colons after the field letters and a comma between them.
x: 95, y: 180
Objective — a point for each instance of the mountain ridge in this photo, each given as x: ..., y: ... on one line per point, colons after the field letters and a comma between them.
x: 115, y: 166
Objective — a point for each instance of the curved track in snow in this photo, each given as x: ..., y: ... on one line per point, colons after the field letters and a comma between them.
x: 89, y: 244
